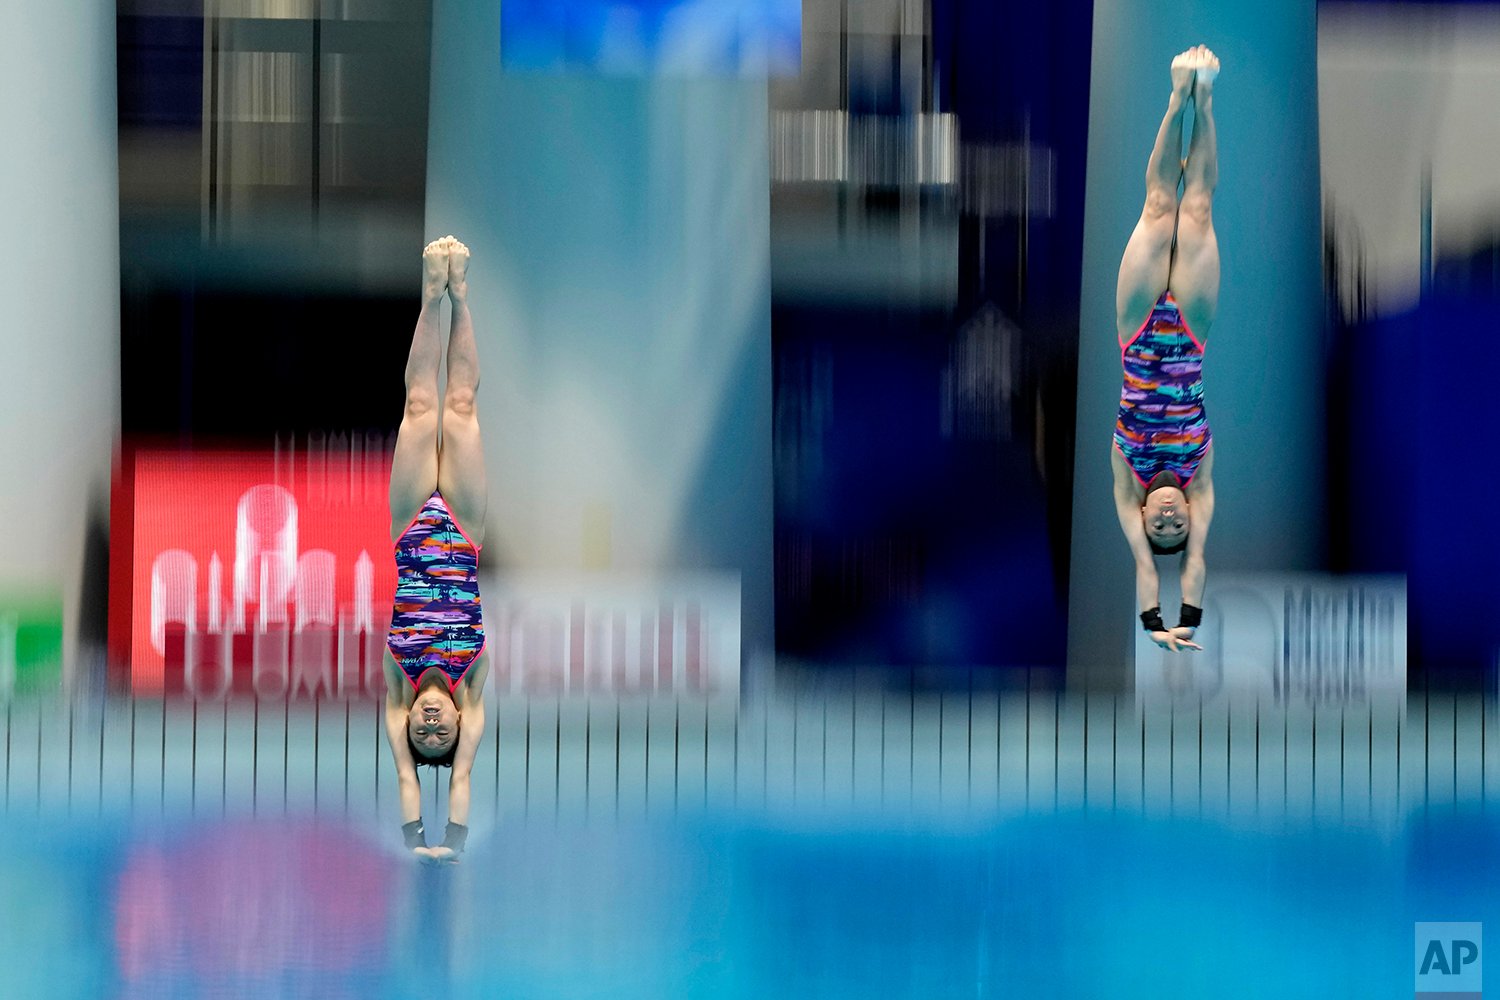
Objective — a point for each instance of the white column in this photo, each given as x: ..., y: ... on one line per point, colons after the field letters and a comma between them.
x: 60, y: 282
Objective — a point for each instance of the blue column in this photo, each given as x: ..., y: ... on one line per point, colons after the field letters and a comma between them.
x: 1264, y: 367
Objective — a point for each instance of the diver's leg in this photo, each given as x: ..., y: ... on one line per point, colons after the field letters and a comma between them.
x: 414, y: 467
x: 461, y: 476
x: 1146, y: 265
x: 1195, y: 274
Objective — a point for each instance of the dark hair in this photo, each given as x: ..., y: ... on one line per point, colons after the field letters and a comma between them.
x: 446, y: 760
x: 1162, y: 550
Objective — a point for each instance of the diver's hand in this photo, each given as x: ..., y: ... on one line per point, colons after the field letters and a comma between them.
x: 437, y: 855
x: 1174, y: 641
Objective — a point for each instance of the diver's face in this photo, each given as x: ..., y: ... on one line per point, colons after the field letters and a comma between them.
x: 1165, y: 516
x: 433, y: 722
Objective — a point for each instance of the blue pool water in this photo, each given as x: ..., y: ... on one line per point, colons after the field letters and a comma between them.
x: 1030, y: 906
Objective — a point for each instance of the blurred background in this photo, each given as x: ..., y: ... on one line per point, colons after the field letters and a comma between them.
x: 802, y: 568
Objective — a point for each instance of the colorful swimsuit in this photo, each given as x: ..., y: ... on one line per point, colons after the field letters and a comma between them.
x: 1162, y: 425
x: 436, y: 621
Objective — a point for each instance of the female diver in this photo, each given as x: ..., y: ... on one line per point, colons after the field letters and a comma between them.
x: 1165, y: 302
x: 435, y: 664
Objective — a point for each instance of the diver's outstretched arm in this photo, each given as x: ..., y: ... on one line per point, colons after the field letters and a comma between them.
x: 396, y: 707
x: 470, y: 697
x: 1200, y: 495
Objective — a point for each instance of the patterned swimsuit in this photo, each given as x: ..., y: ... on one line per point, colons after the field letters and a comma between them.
x: 1162, y: 425
x: 436, y: 620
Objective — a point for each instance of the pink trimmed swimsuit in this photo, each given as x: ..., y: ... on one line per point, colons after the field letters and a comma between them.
x: 1162, y: 425
x: 436, y: 621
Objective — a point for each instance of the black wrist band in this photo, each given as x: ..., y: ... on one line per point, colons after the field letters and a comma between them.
x: 414, y: 835
x: 1191, y: 617
x: 455, y: 837
x: 1151, y: 620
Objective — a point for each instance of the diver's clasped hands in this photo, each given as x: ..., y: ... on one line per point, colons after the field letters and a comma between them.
x: 1176, y: 640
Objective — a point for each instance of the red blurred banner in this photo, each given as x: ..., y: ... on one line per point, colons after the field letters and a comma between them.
x: 258, y: 573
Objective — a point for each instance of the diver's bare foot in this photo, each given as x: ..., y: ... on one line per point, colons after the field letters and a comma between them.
x: 458, y: 270
x: 1184, y: 66
x: 1205, y: 68
x: 434, y: 270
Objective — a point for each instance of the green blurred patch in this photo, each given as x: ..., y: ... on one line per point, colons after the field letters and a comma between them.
x: 31, y: 631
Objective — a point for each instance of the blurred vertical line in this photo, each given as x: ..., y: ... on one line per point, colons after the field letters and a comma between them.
x: 1285, y: 742
x: 224, y: 761
x: 162, y: 801
x: 317, y: 113
x: 39, y: 757
x: 1455, y: 752
x: 375, y: 745
x: 1114, y: 752
x: 9, y: 717
x: 317, y: 748
x: 208, y: 89
x: 676, y: 749
x: 557, y: 762
x: 103, y: 719
x: 1257, y: 757
x: 346, y: 757
x: 939, y: 741
x: 1142, y: 714
x: 1200, y: 756
x: 1026, y: 767
x: 192, y: 765
x: 842, y: 196
x: 1370, y: 752
x: 1023, y: 229
x: 132, y: 753
x: 70, y: 757
x: 1086, y: 700
x: 1314, y: 754
x: 1426, y: 230
x: 617, y: 758
x: 1399, y: 737
x: 765, y: 743
x: 1341, y: 756
x: 734, y: 795
x: 255, y: 757
x: 286, y: 745
x: 825, y: 751
x: 646, y: 737
x: 969, y: 752
x: 911, y: 743
x: 927, y: 61
x: 999, y: 731
x: 588, y: 753
x: 795, y: 713
x: 1056, y: 743
x: 497, y: 766
x: 526, y: 785
x: 1172, y: 759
